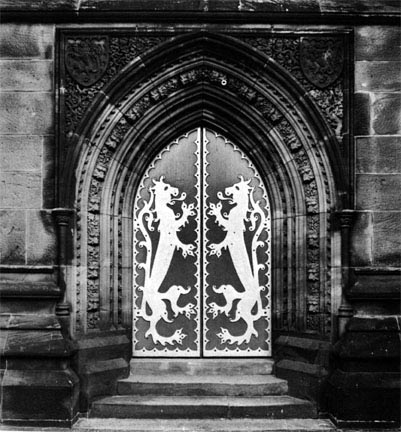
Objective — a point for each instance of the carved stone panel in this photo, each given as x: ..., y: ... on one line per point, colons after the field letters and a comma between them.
x: 87, y: 58
x: 322, y: 59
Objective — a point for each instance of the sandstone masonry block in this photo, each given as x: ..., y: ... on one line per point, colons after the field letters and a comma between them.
x: 362, y: 114
x: 41, y: 238
x: 48, y: 171
x: 378, y: 76
x: 26, y: 113
x: 378, y: 154
x: 26, y: 41
x: 386, y: 113
x: 387, y: 238
x: 362, y: 240
x: 28, y: 75
x: 12, y: 237
x: 20, y: 190
x: 378, y: 43
x: 378, y: 191
x: 20, y: 153
x: 366, y: 6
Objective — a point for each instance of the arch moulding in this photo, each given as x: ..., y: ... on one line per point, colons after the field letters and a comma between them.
x: 231, y: 86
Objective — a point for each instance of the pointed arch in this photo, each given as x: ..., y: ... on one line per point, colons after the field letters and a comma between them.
x: 210, y: 80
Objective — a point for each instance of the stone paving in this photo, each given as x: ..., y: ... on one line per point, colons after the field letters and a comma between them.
x: 205, y: 425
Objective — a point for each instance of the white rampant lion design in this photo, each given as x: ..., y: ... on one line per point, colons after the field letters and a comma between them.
x: 241, y: 195
x: 157, y: 209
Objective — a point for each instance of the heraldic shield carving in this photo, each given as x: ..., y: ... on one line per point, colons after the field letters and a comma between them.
x: 202, y: 276
x: 86, y: 58
x: 322, y: 59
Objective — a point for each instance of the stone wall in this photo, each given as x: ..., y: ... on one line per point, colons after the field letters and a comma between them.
x: 37, y: 384
x: 27, y: 144
x: 365, y: 384
x: 377, y: 128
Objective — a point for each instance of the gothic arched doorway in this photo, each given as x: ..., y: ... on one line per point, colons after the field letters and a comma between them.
x: 202, y: 276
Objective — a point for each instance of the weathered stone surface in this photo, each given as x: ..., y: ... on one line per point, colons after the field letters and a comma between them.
x: 20, y: 190
x: 29, y: 41
x: 188, y: 366
x: 379, y: 324
x: 313, y: 6
x: 362, y: 239
x: 12, y: 237
x: 36, y: 343
x: 101, y: 360
x: 369, y: 345
x: 264, y: 6
x: 365, y: 384
x: 203, y: 407
x: 102, y: 346
x: 204, y: 424
x: 29, y: 322
x: 26, y: 113
x: 386, y: 113
x: 387, y: 238
x: 362, y: 114
x: 30, y: 290
x: 378, y: 43
x: 100, y: 378
x: 48, y: 171
x: 364, y: 398
x: 378, y: 191
x: 150, y: 5
x: 365, y: 6
x: 377, y: 76
x: 205, y: 385
x: 40, y: 395
x: 302, y: 349
x: 41, y: 238
x: 26, y: 75
x: 376, y: 284
x: 304, y: 379
x: 41, y: 6
x: 378, y: 154
x: 20, y: 153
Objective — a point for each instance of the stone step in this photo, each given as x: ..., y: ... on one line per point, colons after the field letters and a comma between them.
x: 202, y: 366
x: 202, y: 385
x: 203, y: 425
x: 202, y: 407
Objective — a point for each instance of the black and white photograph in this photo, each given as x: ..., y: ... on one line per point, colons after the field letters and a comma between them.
x: 200, y: 215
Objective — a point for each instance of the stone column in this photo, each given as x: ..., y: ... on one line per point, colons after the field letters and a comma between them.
x: 63, y: 217
x: 345, y: 311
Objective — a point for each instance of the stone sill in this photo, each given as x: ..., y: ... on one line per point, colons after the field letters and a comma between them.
x: 287, y: 11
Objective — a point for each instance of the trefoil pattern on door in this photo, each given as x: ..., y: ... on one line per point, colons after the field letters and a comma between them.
x: 202, y: 241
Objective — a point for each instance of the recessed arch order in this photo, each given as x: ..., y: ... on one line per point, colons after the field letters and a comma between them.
x: 213, y: 81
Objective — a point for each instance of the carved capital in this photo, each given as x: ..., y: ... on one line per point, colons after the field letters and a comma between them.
x: 63, y: 216
x: 346, y: 218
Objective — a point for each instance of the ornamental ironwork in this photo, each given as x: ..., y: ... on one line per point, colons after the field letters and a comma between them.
x: 202, y: 253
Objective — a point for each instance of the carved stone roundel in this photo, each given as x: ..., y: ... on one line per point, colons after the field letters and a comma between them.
x: 86, y: 59
x: 321, y: 59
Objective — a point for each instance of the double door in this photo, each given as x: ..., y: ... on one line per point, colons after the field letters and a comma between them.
x: 201, y: 248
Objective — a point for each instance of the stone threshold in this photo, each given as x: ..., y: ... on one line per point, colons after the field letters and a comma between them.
x: 195, y: 425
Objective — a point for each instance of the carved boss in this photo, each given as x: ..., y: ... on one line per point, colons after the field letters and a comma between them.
x: 86, y: 58
x: 321, y: 60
